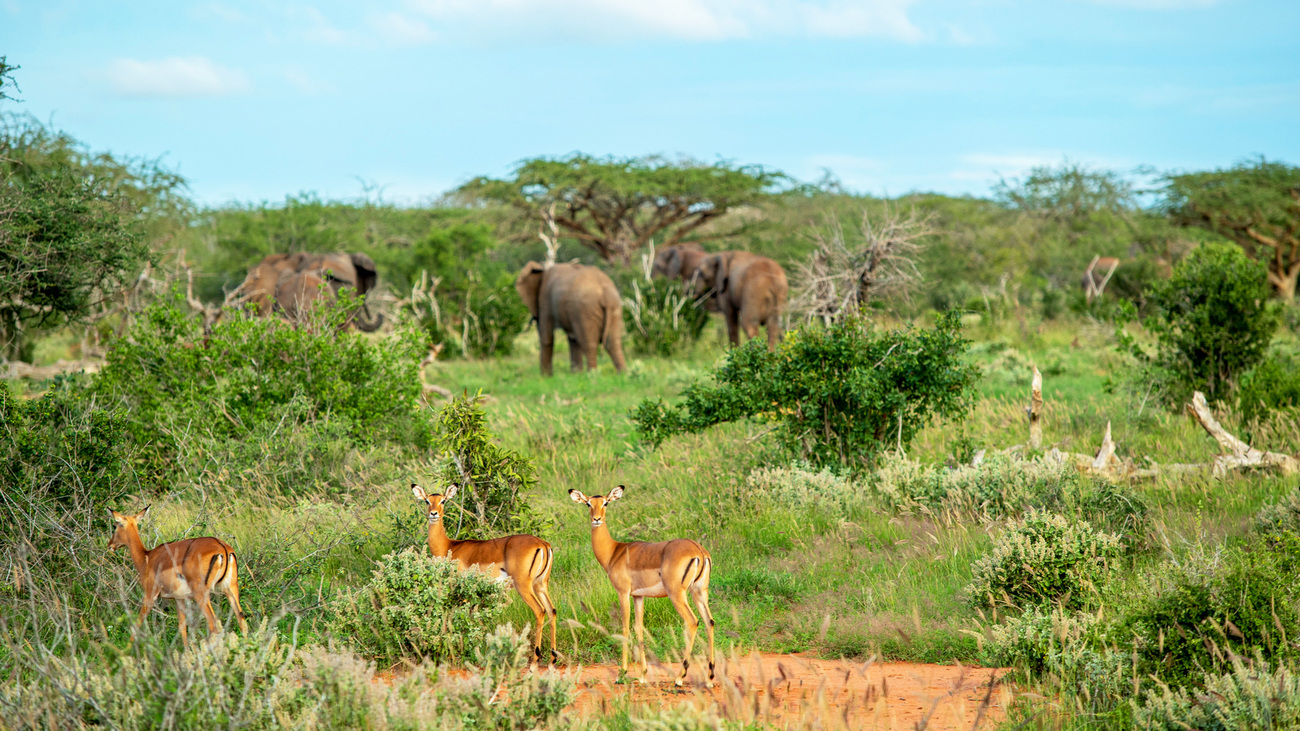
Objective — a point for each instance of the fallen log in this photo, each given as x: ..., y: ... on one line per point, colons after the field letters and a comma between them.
x: 1239, y: 455
x: 19, y: 369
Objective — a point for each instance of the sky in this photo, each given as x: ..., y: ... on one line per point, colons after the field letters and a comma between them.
x: 254, y: 101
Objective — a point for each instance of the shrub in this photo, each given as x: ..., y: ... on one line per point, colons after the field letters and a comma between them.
x: 1279, y: 517
x: 417, y: 605
x: 1252, y: 697
x: 180, y: 384
x: 1044, y: 558
x: 1273, y: 384
x: 1000, y: 487
x: 1066, y: 647
x: 1202, y: 611
x: 797, y: 488
x: 495, y: 481
x: 661, y: 319
x: 840, y: 394
x: 1214, y: 322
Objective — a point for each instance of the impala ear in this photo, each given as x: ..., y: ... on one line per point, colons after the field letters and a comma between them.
x: 418, y: 492
x: 451, y: 492
x: 117, y: 517
x: 143, y: 513
x: 578, y: 497
x: 614, y: 494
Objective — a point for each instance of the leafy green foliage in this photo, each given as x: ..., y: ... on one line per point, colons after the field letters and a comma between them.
x: 1044, y: 559
x: 1272, y: 385
x: 1280, y: 517
x: 615, y: 206
x: 1242, y: 601
x: 249, y: 374
x: 419, y: 606
x: 1068, y: 647
x: 495, y: 482
x: 1254, y: 204
x: 483, y: 321
x: 1252, y: 696
x: 1070, y: 193
x: 839, y: 394
x: 660, y: 318
x: 1214, y: 322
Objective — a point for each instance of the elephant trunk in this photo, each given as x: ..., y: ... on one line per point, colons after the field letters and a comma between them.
x: 376, y: 321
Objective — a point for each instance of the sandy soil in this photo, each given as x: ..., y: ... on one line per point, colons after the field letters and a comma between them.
x: 797, y: 691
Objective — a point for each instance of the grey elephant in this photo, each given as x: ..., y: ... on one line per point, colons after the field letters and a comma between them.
x: 291, y: 282
x: 682, y: 261
x: 580, y: 300
x: 750, y: 291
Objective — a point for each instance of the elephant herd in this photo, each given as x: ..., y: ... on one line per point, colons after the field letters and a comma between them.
x: 749, y: 290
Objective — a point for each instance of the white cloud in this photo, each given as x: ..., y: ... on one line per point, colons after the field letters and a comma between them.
x: 191, y: 76
x: 700, y: 20
x: 401, y: 29
x: 220, y: 11
x: 319, y: 29
x: 984, y: 167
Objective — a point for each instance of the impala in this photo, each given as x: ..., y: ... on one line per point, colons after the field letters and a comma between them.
x: 183, y: 570
x: 670, y: 569
x: 523, y: 559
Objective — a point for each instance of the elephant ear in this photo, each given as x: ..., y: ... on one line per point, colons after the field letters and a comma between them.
x: 721, y: 263
x: 675, y: 263
x: 529, y: 285
x: 367, y: 275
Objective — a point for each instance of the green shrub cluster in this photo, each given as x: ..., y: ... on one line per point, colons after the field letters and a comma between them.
x: 799, y: 488
x: 483, y: 321
x: 839, y: 394
x: 259, y: 681
x: 1199, y: 613
x: 1282, y: 516
x: 1067, y: 647
x: 419, y: 606
x: 252, y: 380
x: 1251, y: 697
x: 1044, y: 559
x: 1002, y: 487
x: 660, y: 318
x: 1272, y: 385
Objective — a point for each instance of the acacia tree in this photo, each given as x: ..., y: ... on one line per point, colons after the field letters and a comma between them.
x: 1255, y: 204
x: 616, y: 205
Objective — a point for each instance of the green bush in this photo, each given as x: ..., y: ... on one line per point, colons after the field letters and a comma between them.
x: 495, y: 481
x: 1273, y: 384
x: 1214, y: 322
x: 482, y: 322
x: 799, y: 488
x: 1067, y: 648
x: 1042, y: 559
x: 1001, y: 487
x: 1281, y: 516
x: 419, y: 606
x: 1203, y: 610
x: 839, y: 394
x: 1252, y: 697
x: 660, y: 318
x: 180, y: 385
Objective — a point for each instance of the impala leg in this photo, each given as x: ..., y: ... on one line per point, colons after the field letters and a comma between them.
x: 539, y: 616
x: 638, y: 604
x: 701, y: 597
x: 544, y: 592
x: 139, y: 620
x: 625, y: 604
x: 692, y: 625
x: 231, y: 590
x: 180, y: 618
x: 213, y: 627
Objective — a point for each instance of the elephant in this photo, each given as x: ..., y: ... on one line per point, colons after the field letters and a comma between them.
x: 750, y: 291
x: 287, y: 281
x: 580, y: 300
x: 682, y: 261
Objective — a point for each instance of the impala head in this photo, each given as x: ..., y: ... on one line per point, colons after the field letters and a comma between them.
x: 434, y: 503
x: 597, y: 503
x: 123, y: 526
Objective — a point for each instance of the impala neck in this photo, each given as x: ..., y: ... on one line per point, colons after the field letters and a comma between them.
x: 139, y: 555
x: 602, y: 543
x: 439, y: 543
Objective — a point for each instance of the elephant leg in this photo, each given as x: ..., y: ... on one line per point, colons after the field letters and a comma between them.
x: 590, y: 338
x: 733, y: 326
x: 773, y: 331
x: 546, y: 343
x: 575, y: 354
x: 614, y: 346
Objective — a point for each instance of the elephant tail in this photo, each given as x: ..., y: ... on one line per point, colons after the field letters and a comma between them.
x: 612, y: 330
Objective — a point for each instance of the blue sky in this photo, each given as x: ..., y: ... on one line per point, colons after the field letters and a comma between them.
x: 256, y: 100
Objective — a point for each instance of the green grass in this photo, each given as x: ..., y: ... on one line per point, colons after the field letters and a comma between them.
x: 891, y: 585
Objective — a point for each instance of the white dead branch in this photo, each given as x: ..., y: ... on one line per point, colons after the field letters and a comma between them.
x: 1238, y: 455
x: 841, y: 276
x: 1035, y: 411
x: 551, y: 239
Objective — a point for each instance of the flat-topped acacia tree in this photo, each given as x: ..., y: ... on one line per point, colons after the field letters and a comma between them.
x: 1255, y: 205
x: 615, y: 206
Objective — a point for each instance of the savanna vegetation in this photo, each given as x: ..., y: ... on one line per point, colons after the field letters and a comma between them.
x: 865, y: 490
